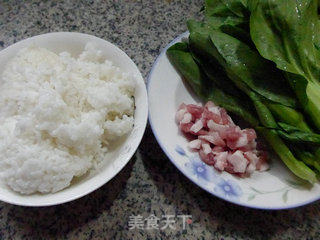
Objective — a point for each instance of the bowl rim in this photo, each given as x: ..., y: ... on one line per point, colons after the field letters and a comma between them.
x: 138, y: 138
x: 171, y: 158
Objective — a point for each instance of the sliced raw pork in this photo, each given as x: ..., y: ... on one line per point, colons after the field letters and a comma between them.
x: 219, y: 141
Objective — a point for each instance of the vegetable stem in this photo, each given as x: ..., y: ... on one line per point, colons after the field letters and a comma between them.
x: 313, y: 105
x: 288, y: 115
x: 296, y: 166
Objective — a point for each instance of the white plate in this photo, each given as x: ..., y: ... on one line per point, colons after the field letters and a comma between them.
x: 114, y: 160
x: 274, y: 189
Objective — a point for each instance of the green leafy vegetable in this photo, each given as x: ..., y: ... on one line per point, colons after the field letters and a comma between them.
x: 227, y: 12
x: 287, y: 33
x: 260, y: 58
x: 181, y: 58
x: 308, y: 158
x: 248, y: 65
x: 236, y: 58
x: 288, y: 115
x: 296, y: 166
x: 294, y: 134
x: 226, y: 8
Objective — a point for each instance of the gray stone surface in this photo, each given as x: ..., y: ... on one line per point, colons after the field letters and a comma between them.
x: 149, y: 184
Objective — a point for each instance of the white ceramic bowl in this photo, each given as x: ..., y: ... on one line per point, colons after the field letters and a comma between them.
x: 274, y: 189
x: 115, y: 159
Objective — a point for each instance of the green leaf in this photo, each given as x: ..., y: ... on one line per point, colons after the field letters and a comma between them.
x: 226, y: 8
x: 249, y: 67
x: 296, y: 166
x: 201, y: 48
x: 287, y: 33
x: 294, y: 134
x: 181, y: 58
x: 231, y: 104
x: 252, y: 4
x: 313, y: 105
x: 240, y: 62
x: 264, y: 113
x: 308, y: 157
x: 201, y: 27
x: 217, y: 8
x: 283, y: 32
x: 308, y: 94
x: 238, y: 33
x: 229, y: 51
x: 288, y: 115
x: 220, y: 79
x: 237, y: 7
x: 226, y: 12
x: 227, y: 27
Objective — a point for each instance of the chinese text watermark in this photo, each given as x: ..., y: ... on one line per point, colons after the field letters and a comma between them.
x: 154, y: 222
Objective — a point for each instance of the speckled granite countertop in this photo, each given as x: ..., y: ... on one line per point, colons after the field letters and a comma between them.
x: 149, y: 184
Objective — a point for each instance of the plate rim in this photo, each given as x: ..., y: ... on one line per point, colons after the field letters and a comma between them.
x: 149, y: 77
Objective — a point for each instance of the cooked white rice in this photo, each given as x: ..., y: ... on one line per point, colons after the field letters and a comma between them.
x: 57, y: 116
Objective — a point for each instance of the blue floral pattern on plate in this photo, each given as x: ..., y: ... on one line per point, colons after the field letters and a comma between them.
x: 229, y: 189
x: 203, y: 172
x: 180, y: 150
x: 206, y: 175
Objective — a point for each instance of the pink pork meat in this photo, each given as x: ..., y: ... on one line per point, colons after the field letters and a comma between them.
x: 219, y: 141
